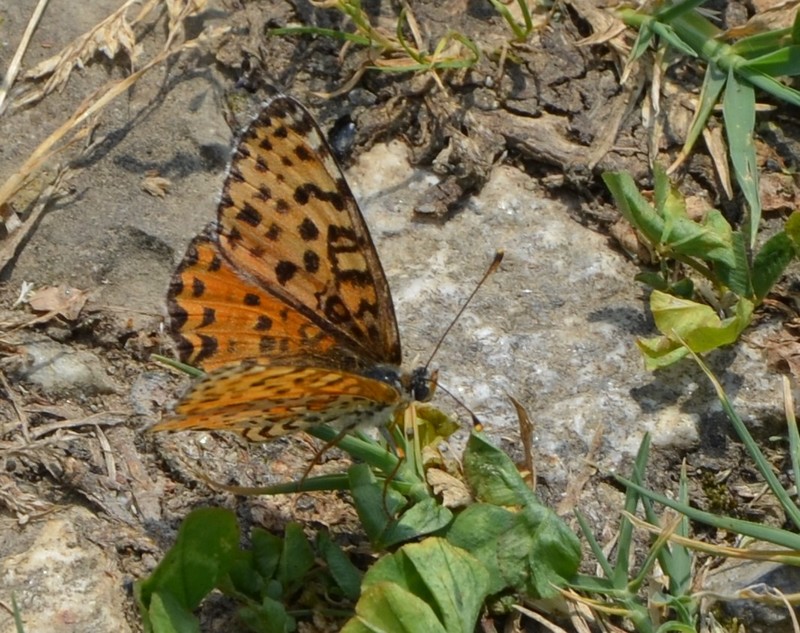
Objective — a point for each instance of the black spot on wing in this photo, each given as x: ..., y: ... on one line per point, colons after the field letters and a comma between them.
x: 284, y: 271
x: 310, y: 262
x: 308, y: 230
x: 249, y: 215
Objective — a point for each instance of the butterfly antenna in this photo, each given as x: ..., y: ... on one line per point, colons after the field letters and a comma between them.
x: 476, y: 423
x: 498, y: 257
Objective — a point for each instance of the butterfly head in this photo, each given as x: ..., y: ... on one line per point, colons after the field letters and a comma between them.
x: 420, y: 384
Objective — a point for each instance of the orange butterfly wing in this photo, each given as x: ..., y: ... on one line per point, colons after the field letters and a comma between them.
x: 283, y: 300
x: 264, y: 402
x: 289, y: 225
x: 218, y: 317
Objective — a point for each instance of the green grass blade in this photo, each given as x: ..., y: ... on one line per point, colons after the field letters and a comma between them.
x: 739, y: 112
x: 762, y: 43
x: 597, y: 550
x: 674, y: 10
x: 642, y: 43
x: 315, y: 30
x: 782, y: 62
x: 763, y: 465
x: 625, y: 539
x: 770, y: 85
x: 701, y: 35
x: 713, y: 84
x: 796, y: 28
x: 18, y: 625
x: 668, y: 34
x: 777, y: 536
x: 678, y: 565
x: 791, y: 424
x: 519, y: 32
x: 176, y: 364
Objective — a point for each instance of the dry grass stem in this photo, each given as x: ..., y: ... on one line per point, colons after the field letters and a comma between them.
x: 108, y: 453
x: 9, y: 246
x: 16, y: 62
x: 109, y: 36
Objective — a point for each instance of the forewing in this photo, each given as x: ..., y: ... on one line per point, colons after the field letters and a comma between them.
x: 288, y: 218
x: 218, y: 316
x: 263, y: 401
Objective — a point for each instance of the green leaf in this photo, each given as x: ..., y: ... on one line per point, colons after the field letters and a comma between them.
x: 667, y: 33
x: 167, y: 615
x: 456, y: 580
x: 762, y: 43
x: 315, y: 30
x: 642, y: 42
x: 479, y: 530
x: 448, y: 579
x: 425, y: 517
x: 243, y: 578
x: 532, y: 549
x: 654, y: 280
x: 734, y: 270
x: 543, y: 552
x: 660, y: 351
x: 667, y: 226
x: 792, y: 228
x: 682, y: 288
x: 709, y: 241
x: 342, y: 570
x: 376, y: 504
x: 296, y: 560
x: 771, y: 261
x: 770, y: 85
x: 696, y: 324
x: 270, y: 616
x: 386, y: 607
x: 669, y: 204
x: 205, y: 548
x: 796, y: 29
x: 433, y: 425
x: 267, y: 550
x: 676, y: 10
x: 633, y: 206
x: 492, y: 475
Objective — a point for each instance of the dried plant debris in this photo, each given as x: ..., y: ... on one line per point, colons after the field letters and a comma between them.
x: 59, y: 300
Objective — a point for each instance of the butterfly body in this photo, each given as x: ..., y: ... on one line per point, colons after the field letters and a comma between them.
x: 283, y: 300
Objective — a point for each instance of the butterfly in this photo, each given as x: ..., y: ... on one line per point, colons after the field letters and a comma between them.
x: 283, y: 300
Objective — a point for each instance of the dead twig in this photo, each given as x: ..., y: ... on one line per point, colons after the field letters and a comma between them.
x: 105, y: 418
x: 108, y: 453
x: 23, y: 419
